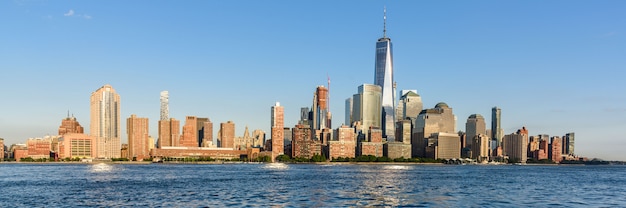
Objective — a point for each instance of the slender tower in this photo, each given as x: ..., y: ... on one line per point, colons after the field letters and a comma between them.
x: 496, y: 128
x: 165, y: 109
x: 384, y: 78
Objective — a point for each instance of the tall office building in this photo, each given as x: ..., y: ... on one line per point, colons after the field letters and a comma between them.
x: 165, y: 105
x: 169, y: 128
x: 278, y: 132
x: 411, y: 103
x: 367, y: 107
x: 70, y: 125
x: 137, y: 129
x: 105, y: 122
x: 555, y: 150
x: 348, y: 111
x: 428, y: 122
x: 205, y: 132
x: 321, y: 114
x: 496, y: 128
x: 474, y: 126
x: 568, y: 144
x: 227, y: 135
x: 383, y: 77
x: 190, y: 132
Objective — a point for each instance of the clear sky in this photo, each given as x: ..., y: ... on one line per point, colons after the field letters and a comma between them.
x: 552, y: 66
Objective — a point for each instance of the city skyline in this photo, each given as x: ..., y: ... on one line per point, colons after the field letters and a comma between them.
x: 551, y: 73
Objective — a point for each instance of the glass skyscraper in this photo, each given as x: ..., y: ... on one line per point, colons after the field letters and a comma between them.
x: 496, y: 128
x: 383, y: 77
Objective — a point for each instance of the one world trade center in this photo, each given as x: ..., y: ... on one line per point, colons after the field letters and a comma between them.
x: 384, y: 78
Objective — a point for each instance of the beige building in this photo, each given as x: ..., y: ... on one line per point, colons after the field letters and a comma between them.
x: 245, y: 142
x: 151, y: 143
x: 138, y: 138
x: 411, y: 104
x: 227, y: 135
x: 258, y: 138
x: 430, y: 121
x: 105, y: 122
x: 2, y: 149
x: 169, y: 133
x: 516, y: 145
x: 75, y: 145
x: 480, y: 147
x: 474, y: 126
x: 446, y: 146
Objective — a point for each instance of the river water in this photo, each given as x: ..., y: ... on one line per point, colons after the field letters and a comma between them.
x: 310, y: 185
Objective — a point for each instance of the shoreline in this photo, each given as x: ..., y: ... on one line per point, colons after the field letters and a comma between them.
x: 288, y: 163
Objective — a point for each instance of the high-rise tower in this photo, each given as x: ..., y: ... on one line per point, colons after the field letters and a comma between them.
x: 383, y: 77
x: 137, y: 129
x: 105, y: 122
x: 165, y: 109
x: 496, y: 128
x: 278, y: 134
x: 169, y: 129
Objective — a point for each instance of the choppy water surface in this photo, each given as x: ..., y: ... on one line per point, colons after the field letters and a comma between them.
x: 308, y: 185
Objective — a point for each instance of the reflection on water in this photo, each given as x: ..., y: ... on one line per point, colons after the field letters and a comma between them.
x: 276, y: 166
x: 397, y: 167
x: 306, y: 185
x: 101, y: 167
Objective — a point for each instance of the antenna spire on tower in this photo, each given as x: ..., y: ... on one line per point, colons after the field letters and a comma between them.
x: 385, y: 22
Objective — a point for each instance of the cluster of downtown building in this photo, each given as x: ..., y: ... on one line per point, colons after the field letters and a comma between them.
x: 378, y: 124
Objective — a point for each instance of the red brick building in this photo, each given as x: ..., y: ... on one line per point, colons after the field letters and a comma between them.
x: 216, y: 153
x: 70, y: 125
x: 343, y: 144
x: 555, y: 150
x: 301, y: 143
x: 39, y: 148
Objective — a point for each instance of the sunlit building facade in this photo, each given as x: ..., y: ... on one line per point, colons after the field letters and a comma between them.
x: 105, y: 122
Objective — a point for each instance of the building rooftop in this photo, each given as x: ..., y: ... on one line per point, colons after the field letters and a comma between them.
x: 441, y: 105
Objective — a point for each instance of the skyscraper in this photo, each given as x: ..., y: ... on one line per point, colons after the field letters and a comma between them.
x: 367, y: 107
x: 474, y: 126
x: 348, y: 111
x: 105, y: 122
x: 169, y: 128
x: 568, y: 144
x: 383, y: 77
x: 165, y: 108
x: 137, y: 129
x: 320, y: 108
x: 205, y: 132
x: 411, y: 105
x: 227, y: 137
x: 496, y: 128
x: 278, y: 134
x: 431, y: 121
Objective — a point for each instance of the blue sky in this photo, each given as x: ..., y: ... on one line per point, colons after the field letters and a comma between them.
x: 552, y: 66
